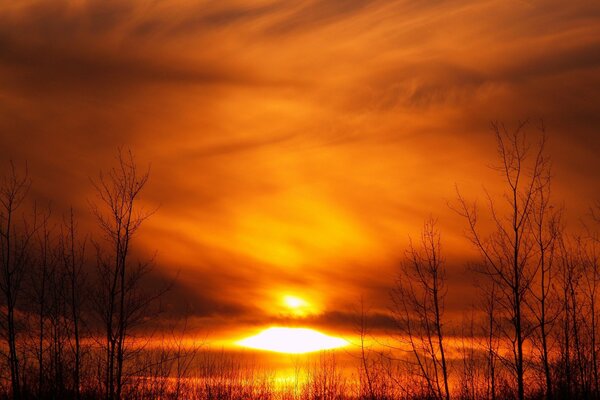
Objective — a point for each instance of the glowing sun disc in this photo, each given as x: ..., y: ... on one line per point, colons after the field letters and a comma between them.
x: 292, y: 340
x: 294, y: 302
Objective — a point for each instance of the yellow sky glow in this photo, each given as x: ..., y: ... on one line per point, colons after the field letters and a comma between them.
x: 292, y: 341
x: 294, y: 302
x: 296, y: 146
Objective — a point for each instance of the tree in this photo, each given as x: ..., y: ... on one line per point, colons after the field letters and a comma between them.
x: 546, y: 229
x: 508, y: 251
x: 366, y: 373
x: 491, y: 340
x: 72, y: 252
x: 15, y: 240
x: 44, y: 268
x: 418, y: 300
x: 120, y: 301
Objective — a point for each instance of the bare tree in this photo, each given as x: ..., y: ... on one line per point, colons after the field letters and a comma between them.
x: 591, y: 287
x: 41, y: 276
x: 468, y: 383
x: 418, y: 308
x: 366, y: 367
x: 546, y: 229
x: 15, y: 240
x: 72, y: 251
x: 581, y: 285
x: 508, y: 250
x: 120, y: 301
x: 490, y: 337
x: 59, y: 329
x: 569, y: 289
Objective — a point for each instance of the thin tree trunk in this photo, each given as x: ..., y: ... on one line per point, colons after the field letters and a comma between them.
x: 517, y: 298
x: 543, y: 332
x: 41, y: 332
x: 438, y: 325
x: 567, y: 330
x: 75, y: 314
x: 13, y: 359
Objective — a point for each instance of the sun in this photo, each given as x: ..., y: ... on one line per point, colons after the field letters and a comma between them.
x: 294, y: 302
x: 295, y: 306
x: 292, y: 340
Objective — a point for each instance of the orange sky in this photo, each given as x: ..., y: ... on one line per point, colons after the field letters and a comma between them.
x: 295, y: 145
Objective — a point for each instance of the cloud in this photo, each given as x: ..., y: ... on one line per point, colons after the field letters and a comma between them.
x: 294, y: 146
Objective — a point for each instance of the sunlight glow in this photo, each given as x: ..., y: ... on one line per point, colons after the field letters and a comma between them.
x: 292, y: 340
x: 294, y: 302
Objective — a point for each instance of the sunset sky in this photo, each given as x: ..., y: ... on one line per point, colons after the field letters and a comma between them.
x: 296, y: 145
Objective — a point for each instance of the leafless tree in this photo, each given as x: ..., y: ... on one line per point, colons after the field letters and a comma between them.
x: 72, y: 252
x: 508, y: 251
x: 121, y: 301
x: 366, y: 365
x: 591, y: 287
x: 41, y: 275
x: 468, y: 381
x: 15, y: 240
x: 59, y: 330
x: 546, y: 228
x: 491, y: 339
x: 418, y: 300
x: 568, y: 286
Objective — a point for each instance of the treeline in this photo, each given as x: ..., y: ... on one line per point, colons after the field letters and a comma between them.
x: 534, y: 331
x: 70, y: 303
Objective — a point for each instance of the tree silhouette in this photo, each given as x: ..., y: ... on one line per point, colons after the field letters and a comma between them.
x: 15, y: 239
x: 508, y: 252
x: 120, y: 302
x: 418, y: 299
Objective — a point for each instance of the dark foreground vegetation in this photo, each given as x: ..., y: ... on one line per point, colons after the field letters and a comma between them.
x: 76, y: 310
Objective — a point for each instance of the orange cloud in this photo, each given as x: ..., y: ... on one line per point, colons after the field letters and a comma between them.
x: 295, y: 145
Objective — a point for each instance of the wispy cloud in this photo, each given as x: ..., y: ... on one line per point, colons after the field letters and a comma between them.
x: 294, y: 144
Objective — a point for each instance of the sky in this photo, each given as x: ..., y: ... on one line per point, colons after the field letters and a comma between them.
x: 295, y: 146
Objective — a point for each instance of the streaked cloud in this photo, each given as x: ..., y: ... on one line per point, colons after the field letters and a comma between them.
x: 295, y: 145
